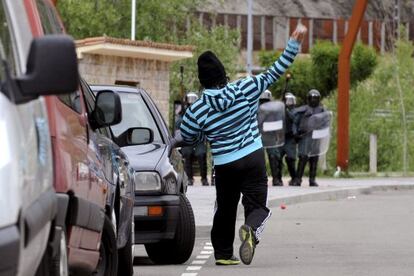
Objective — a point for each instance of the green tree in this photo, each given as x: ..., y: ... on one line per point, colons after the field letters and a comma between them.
x: 325, y: 66
x: 159, y: 21
x: 156, y: 20
x: 375, y: 106
x: 320, y: 69
x: 222, y: 41
x: 89, y: 18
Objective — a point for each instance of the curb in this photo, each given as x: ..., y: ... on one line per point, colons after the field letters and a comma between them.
x: 340, y: 193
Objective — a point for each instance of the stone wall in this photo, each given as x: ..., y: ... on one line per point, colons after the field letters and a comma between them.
x: 152, y: 75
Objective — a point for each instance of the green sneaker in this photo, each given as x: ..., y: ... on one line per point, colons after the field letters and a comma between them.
x: 232, y: 261
x: 248, y: 244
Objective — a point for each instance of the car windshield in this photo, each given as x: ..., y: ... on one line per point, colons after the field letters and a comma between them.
x: 135, y: 113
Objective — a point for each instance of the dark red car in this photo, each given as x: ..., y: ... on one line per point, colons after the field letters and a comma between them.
x: 91, y: 175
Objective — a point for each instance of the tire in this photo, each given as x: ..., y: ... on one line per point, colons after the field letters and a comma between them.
x: 59, y: 265
x: 179, y: 249
x: 125, y: 261
x: 55, y: 265
x: 108, y: 253
x: 44, y: 267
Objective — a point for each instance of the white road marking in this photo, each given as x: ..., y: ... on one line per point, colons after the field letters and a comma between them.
x: 194, y: 267
x: 199, y: 262
x: 201, y: 259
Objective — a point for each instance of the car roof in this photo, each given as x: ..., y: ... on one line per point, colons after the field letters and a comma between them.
x: 117, y: 88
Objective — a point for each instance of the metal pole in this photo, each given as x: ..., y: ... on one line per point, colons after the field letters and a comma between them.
x: 249, y: 35
x: 397, y: 19
x: 397, y: 16
x: 133, y: 9
x: 344, y: 79
x: 373, y: 149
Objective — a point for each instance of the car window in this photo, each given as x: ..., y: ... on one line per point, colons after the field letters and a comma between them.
x: 51, y: 25
x: 105, y: 132
x: 88, y: 96
x: 7, y: 52
x: 135, y: 113
x: 72, y: 100
x: 48, y: 17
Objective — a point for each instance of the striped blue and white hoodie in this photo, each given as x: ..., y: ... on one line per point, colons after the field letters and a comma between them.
x: 227, y: 117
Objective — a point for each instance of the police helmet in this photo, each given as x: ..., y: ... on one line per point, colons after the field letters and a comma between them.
x: 289, y: 100
x: 314, y: 98
x: 191, y: 97
x: 266, y: 96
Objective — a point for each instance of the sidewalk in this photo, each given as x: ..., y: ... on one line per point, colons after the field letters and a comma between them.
x: 202, y: 197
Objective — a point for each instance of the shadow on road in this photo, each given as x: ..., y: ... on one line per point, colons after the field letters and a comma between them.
x: 143, y: 261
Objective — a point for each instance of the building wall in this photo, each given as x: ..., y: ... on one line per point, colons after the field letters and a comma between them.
x: 151, y: 75
x: 271, y: 32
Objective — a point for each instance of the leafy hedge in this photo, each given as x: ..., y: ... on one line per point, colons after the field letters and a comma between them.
x: 320, y: 69
x: 376, y: 108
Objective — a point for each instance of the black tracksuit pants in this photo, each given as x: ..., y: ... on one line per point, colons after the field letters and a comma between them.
x: 248, y: 177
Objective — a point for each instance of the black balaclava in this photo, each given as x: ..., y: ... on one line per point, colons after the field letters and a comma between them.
x: 211, y: 72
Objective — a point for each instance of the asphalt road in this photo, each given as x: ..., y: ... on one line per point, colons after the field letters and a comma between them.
x: 363, y: 235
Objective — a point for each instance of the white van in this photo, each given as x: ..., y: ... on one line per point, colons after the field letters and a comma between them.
x: 29, y: 69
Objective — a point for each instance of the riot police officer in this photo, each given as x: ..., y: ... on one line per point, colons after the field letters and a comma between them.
x: 303, y: 113
x: 198, y: 152
x: 272, y: 152
x: 289, y: 148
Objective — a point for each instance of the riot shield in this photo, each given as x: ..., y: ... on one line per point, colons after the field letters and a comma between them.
x: 271, y: 119
x: 318, y: 136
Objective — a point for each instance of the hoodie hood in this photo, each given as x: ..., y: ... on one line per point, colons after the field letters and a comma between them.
x: 220, y: 99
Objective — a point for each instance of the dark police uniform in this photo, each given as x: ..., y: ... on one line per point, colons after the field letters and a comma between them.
x: 302, y: 115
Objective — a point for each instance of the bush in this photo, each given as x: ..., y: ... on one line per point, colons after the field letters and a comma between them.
x: 302, y: 77
x: 223, y: 41
x: 203, y: 39
x: 380, y: 92
x: 363, y: 62
x: 325, y: 66
x: 320, y: 70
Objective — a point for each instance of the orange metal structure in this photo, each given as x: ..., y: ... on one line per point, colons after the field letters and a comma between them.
x: 344, y: 79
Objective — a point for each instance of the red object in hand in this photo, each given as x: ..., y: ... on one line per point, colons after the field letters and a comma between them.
x: 282, y: 206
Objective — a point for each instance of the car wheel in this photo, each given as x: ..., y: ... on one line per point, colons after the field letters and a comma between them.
x: 59, y: 266
x: 179, y: 249
x: 108, y: 253
x: 44, y: 266
x: 125, y: 259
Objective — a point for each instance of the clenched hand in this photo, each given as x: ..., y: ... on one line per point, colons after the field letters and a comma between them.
x: 299, y: 33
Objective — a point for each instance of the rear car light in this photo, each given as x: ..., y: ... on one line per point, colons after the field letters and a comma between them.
x: 155, y: 211
x: 141, y: 211
x: 147, y: 181
x: 151, y: 211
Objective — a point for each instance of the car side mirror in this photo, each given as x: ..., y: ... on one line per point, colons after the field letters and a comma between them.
x: 52, y: 68
x: 108, y: 110
x: 139, y: 136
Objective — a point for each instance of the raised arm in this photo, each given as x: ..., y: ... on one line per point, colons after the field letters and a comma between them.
x: 255, y: 85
